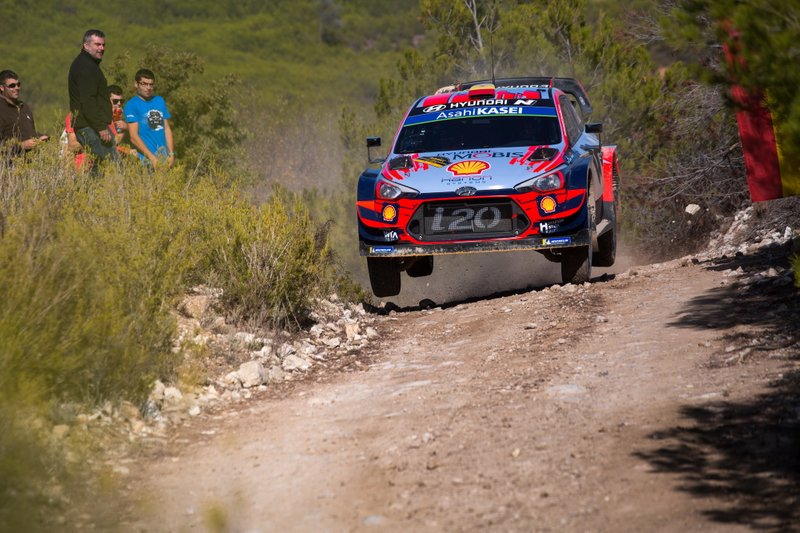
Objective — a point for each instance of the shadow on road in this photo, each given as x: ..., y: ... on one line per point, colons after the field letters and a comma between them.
x: 743, y: 456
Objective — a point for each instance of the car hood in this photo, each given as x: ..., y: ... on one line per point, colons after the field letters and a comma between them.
x: 485, y: 170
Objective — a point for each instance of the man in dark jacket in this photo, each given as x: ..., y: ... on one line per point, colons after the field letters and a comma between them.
x: 17, y: 128
x: 88, y: 98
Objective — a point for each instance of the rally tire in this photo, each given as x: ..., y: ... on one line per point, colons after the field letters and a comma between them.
x: 422, y: 267
x: 606, y: 249
x: 384, y: 276
x: 576, y: 264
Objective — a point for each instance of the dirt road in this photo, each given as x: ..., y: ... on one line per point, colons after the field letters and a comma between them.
x: 647, y: 401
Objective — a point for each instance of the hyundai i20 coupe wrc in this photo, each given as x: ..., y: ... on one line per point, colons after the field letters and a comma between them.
x: 490, y: 166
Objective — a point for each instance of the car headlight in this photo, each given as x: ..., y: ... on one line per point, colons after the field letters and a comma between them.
x: 549, y: 181
x: 387, y: 190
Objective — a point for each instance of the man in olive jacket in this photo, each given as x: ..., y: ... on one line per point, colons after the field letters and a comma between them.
x: 88, y: 98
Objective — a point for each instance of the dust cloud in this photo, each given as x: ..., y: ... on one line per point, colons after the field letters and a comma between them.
x: 461, y: 277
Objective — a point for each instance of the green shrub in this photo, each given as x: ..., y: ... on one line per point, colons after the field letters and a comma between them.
x: 90, y: 270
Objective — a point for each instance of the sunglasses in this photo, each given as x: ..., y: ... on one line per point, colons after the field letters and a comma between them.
x: 14, y: 85
x: 116, y: 101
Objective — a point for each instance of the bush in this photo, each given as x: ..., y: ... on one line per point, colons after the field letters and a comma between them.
x: 90, y: 269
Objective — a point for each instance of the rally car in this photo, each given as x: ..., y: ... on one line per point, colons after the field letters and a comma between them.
x: 489, y: 166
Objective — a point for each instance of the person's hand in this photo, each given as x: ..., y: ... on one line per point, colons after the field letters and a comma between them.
x: 170, y: 161
x: 121, y: 125
x: 30, y: 144
x: 105, y: 136
x: 153, y: 160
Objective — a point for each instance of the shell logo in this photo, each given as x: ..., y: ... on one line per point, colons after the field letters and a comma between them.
x: 389, y: 213
x: 548, y: 204
x: 468, y: 168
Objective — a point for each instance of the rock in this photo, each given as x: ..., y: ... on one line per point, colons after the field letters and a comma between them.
x: 172, y: 395
x: 372, y: 333
x: 351, y: 330
x: 307, y: 349
x: 332, y: 342
x: 252, y: 374
x: 245, y: 337
x: 60, y: 431
x: 195, y: 306
x: 275, y: 374
x: 157, y: 394
x: 194, y: 410
x: 128, y: 411
x: 692, y: 209
x: 285, y: 350
x: 232, y: 379
x: 263, y: 353
x: 294, y: 362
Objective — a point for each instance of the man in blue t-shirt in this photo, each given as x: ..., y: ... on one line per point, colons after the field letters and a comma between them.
x: 148, y: 122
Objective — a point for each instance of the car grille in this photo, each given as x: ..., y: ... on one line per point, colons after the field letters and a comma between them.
x: 467, y: 219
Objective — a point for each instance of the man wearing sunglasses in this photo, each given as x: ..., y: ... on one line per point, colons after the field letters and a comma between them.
x: 88, y: 98
x: 17, y: 128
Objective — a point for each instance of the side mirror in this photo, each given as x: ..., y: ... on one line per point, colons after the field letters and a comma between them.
x: 374, y: 142
x: 594, y: 127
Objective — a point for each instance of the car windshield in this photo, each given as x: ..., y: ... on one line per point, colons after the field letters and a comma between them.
x: 480, y: 132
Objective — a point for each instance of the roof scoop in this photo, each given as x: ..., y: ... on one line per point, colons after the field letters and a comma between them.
x: 481, y: 91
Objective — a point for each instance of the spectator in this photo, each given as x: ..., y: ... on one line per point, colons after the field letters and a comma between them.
x: 88, y: 98
x: 70, y: 144
x: 148, y: 121
x: 17, y: 128
x: 118, y: 127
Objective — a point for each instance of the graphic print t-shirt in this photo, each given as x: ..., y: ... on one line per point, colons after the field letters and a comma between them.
x: 150, y: 115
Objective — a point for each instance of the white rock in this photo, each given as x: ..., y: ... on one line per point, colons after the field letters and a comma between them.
x: 332, y: 342
x: 307, y: 349
x: 294, y: 362
x: 275, y: 374
x: 232, y: 379
x: 372, y: 333
x: 172, y: 395
x: 352, y: 329
x: 252, y: 374
x: 692, y: 209
x: 157, y: 394
x: 286, y: 349
x: 195, y: 306
x: 194, y: 410
x: 245, y: 337
x: 264, y: 352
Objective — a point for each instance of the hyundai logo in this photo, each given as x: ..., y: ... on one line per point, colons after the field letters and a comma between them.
x: 466, y: 191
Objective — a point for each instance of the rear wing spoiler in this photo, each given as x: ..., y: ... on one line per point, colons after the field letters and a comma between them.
x: 568, y: 85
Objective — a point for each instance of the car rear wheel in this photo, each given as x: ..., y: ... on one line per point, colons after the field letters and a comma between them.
x: 607, y: 249
x: 422, y: 267
x: 576, y: 264
x: 384, y: 276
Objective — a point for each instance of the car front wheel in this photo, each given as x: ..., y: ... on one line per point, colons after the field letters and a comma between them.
x: 384, y: 276
x: 576, y: 264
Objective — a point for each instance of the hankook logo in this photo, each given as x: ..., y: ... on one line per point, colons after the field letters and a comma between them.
x: 466, y: 191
